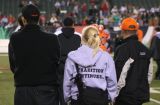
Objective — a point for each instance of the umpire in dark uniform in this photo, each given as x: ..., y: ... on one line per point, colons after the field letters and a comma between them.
x: 34, y: 57
x: 136, y: 89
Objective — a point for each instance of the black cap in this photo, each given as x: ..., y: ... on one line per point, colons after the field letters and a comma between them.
x: 31, y: 12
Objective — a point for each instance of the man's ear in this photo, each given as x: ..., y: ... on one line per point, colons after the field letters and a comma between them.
x: 24, y: 21
x: 73, y: 25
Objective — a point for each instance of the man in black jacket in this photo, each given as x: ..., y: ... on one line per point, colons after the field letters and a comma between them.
x: 69, y: 40
x: 136, y: 89
x: 155, y: 50
x: 34, y: 57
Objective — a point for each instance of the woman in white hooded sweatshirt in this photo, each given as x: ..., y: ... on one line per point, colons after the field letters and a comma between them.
x: 96, y: 67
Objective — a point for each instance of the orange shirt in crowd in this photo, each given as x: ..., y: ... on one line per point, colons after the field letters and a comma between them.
x: 140, y: 35
x: 103, y: 36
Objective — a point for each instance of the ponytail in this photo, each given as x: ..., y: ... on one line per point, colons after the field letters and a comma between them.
x: 91, y: 38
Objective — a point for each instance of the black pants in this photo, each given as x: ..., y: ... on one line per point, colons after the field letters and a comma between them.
x: 60, y: 74
x: 119, y: 102
x: 61, y: 96
x: 76, y: 102
x: 39, y: 95
x: 157, y: 76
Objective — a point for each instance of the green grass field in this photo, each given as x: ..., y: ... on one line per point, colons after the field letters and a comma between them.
x: 7, y: 85
x: 4, y: 64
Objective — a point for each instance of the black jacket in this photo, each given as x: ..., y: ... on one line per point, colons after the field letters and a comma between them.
x: 34, y: 57
x: 137, y: 87
x: 155, y: 48
x: 69, y: 41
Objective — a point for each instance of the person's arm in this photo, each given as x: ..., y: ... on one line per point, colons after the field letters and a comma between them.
x: 67, y: 83
x: 56, y: 49
x: 153, y: 46
x: 59, y: 50
x: 79, y: 41
x: 120, y: 59
x: 111, y: 79
x: 123, y: 75
x: 11, y: 56
x: 150, y: 72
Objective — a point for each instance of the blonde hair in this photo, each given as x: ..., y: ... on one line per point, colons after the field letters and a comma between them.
x: 90, y: 37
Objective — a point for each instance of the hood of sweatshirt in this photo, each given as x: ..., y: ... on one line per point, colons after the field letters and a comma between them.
x: 68, y: 32
x: 84, y: 56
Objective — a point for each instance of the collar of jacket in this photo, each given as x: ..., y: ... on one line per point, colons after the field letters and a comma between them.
x: 133, y: 37
x: 68, y: 32
x: 31, y: 27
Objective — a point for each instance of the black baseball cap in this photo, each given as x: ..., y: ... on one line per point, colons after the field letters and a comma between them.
x: 31, y: 12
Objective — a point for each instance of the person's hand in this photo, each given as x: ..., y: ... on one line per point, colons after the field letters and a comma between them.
x: 69, y: 102
x: 112, y: 102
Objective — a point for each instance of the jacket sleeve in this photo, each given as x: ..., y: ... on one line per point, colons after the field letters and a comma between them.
x: 58, y: 49
x: 11, y: 57
x: 122, y: 79
x: 67, y: 83
x: 111, y: 79
x: 79, y: 41
x: 152, y: 46
x: 120, y: 58
x: 150, y: 71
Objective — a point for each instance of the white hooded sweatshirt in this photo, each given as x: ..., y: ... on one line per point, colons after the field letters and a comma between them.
x: 98, y: 71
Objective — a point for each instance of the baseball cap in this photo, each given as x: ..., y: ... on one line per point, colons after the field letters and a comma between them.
x: 129, y: 24
x: 30, y: 12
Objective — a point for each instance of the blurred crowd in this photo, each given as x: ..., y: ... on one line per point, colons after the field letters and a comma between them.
x: 101, y: 12
x: 86, y: 13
